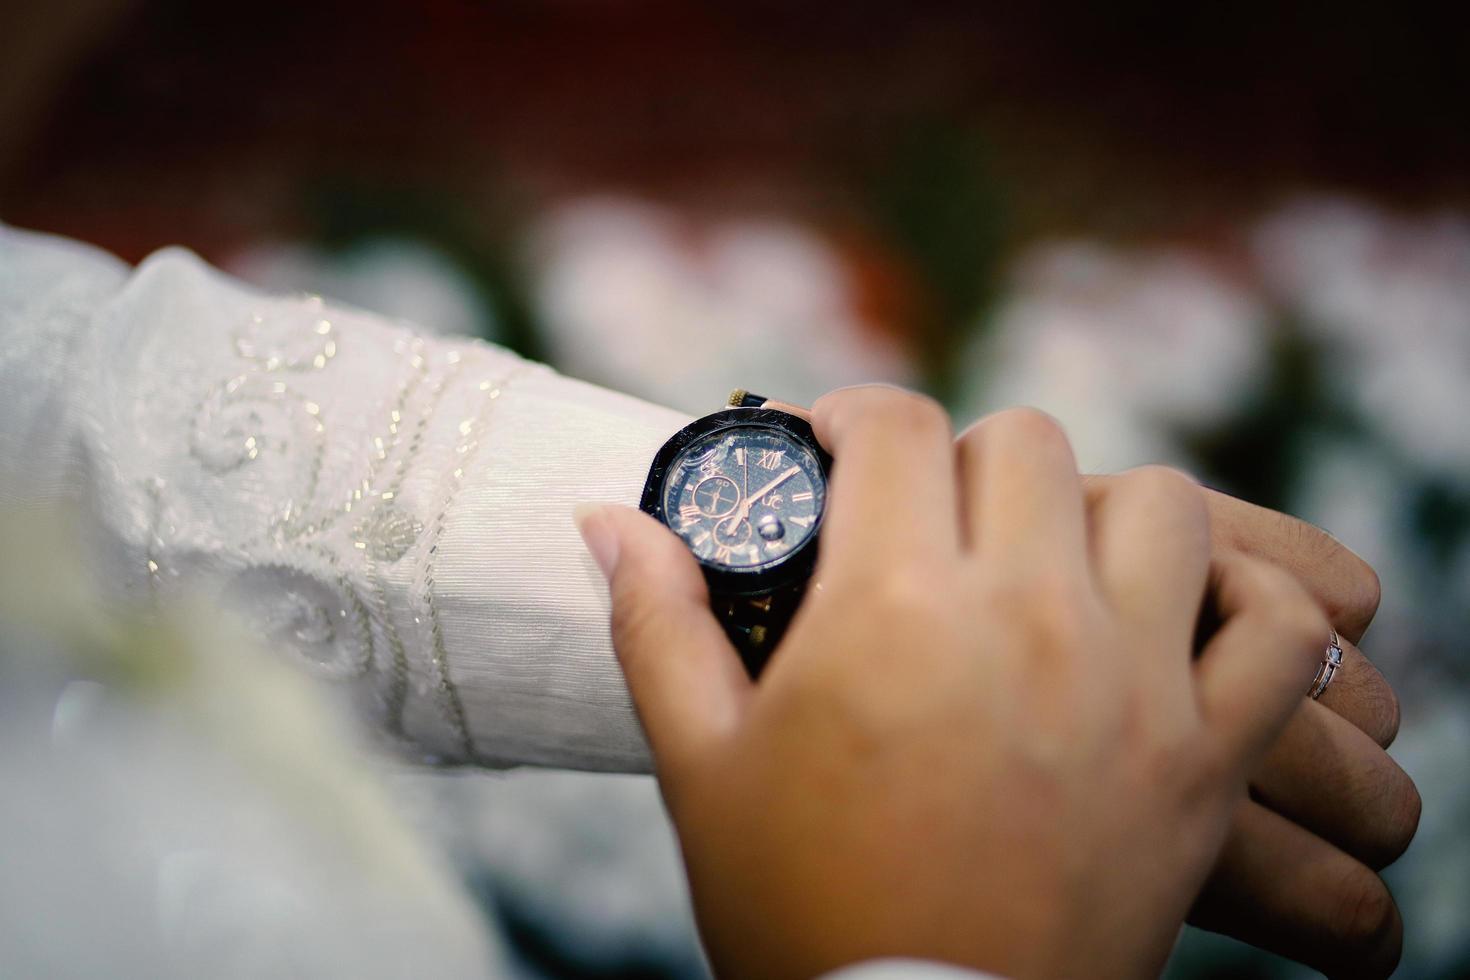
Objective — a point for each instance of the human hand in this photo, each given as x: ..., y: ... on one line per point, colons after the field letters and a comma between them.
x: 983, y: 739
x: 1329, y: 806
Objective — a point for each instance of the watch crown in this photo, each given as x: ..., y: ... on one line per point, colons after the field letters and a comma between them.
x: 740, y: 398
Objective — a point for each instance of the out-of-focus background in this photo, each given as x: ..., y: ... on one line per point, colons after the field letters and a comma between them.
x: 1234, y: 238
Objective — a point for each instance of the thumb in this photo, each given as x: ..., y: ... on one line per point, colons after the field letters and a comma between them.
x: 686, y: 679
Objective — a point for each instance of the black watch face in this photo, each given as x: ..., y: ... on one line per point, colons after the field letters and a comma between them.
x: 744, y: 497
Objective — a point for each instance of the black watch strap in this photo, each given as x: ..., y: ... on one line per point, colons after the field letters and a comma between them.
x: 756, y: 624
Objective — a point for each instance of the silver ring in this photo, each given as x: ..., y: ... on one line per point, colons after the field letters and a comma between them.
x: 1330, y: 664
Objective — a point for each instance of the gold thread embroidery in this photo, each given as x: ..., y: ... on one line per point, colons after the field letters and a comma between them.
x: 254, y: 413
x: 469, y: 443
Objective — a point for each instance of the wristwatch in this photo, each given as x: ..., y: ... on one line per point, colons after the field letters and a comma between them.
x: 745, y: 489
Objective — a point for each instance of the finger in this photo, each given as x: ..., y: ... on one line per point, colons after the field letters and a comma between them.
x: 1360, y: 694
x: 893, y: 484
x: 1022, y: 494
x: 686, y: 679
x: 1281, y: 888
x: 1328, y: 776
x: 1255, y: 671
x: 1150, y: 537
x: 788, y: 408
x: 1346, y: 586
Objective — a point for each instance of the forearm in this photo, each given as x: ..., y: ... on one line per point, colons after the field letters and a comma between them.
x: 391, y: 511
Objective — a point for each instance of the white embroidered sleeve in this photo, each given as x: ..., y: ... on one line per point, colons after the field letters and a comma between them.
x: 390, y: 510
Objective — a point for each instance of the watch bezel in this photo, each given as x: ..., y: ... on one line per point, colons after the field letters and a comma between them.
x: 722, y: 579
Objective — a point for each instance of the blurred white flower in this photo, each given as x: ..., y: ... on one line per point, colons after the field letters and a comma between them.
x: 642, y: 299
x: 1122, y: 349
x: 1389, y: 299
x: 1357, y: 494
x: 399, y: 278
x: 1431, y: 882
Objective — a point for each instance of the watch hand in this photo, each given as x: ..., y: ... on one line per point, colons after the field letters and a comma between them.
x: 744, y: 509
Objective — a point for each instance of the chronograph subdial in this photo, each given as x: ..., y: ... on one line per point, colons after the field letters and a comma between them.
x: 732, y: 532
x: 716, y: 496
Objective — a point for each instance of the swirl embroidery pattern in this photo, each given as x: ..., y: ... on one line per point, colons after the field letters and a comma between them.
x: 315, y: 575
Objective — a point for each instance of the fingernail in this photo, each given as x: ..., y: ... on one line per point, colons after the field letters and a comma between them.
x: 597, y: 534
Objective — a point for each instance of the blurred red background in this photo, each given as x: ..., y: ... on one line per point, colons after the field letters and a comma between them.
x: 135, y: 124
